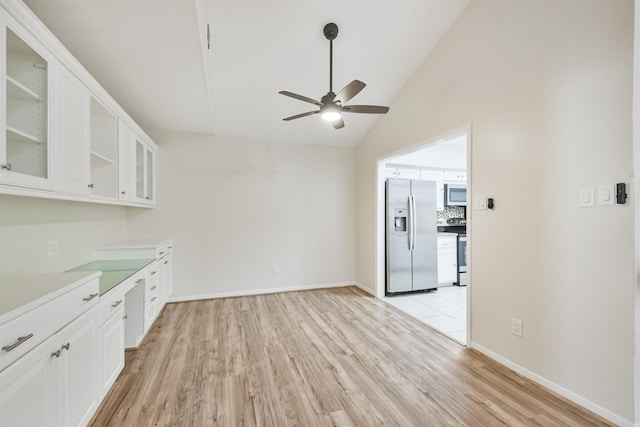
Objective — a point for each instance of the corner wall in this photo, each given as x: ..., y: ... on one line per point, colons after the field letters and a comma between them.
x: 547, y: 87
x: 237, y: 207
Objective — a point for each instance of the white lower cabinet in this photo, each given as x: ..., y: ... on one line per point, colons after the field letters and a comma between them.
x: 111, y: 351
x: 28, y: 389
x: 54, y: 384
x: 78, y: 370
x: 447, y: 259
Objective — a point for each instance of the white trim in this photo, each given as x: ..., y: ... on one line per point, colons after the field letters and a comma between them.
x: 364, y: 288
x: 587, y: 404
x: 261, y: 291
x: 634, y: 205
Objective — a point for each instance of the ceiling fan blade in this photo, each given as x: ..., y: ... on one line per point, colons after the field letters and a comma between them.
x: 300, y: 97
x: 338, y: 124
x: 297, y: 116
x: 349, y: 91
x: 368, y: 109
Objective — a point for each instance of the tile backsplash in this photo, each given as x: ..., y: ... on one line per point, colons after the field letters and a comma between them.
x: 451, y: 212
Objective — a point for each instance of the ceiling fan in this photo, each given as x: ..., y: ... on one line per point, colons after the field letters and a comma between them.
x: 332, y: 105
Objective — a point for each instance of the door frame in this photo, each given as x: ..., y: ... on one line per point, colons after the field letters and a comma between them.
x: 380, y: 261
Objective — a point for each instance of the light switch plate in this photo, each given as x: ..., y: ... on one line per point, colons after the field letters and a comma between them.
x: 606, y: 194
x: 586, y: 197
x: 479, y: 203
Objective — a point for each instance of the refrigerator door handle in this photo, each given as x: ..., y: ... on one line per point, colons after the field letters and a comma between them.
x: 410, y: 223
x: 413, y: 223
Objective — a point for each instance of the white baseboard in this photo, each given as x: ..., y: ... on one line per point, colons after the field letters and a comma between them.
x: 555, y: 387
x: 261, y: 291
x: 364, y: 288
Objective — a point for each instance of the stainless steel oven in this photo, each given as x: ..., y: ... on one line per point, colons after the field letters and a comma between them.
x: 462, y: 260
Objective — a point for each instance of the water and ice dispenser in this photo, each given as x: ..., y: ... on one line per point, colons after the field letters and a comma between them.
x: 400, y: 220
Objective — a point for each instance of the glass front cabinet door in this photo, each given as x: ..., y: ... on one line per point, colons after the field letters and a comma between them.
x: 145, y: 172
x: 25, y: 157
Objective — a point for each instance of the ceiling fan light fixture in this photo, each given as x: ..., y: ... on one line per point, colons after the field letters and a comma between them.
x: 331, y: 114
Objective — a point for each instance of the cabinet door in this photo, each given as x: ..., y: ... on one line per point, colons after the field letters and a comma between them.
x: 78, y: 370
x: 104, y: 151
x: 25, y: 93
x: 166, y: 278
x: 447, y: 259
x: 111, y: 351
x: 71, y: 133
x: 150, y: 176
x: 28, y: 389
x: 126, y: 141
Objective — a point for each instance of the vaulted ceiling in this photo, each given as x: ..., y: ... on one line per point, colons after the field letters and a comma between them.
x: 152, y: 56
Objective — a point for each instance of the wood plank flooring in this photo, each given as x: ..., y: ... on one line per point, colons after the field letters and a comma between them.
x: 330, y: 357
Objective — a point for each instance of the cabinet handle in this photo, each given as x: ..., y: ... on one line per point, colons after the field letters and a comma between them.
x: 125, y: 317
x: 166, y: 262
x: 139, y: 280
x: 90, y: 297
x: 123, y: 192
x: 90, y: 185
x: 147, y: 198
x: 17, y: 343
x: 170, y: 247
x: 7, y: 166
x: 56, y: 353
x: 66, y: 346
x: 153, y: 287
x: 160, y: 253
x: 117, y: 303
x: 153, y: 299
x: 154, y: 272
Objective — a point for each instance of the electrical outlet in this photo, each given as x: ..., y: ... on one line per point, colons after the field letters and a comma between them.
x: 53, y: 247
x: 276, y: 269
x: 516, y: 326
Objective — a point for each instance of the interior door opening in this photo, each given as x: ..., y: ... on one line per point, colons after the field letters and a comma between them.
x: 443, y: 302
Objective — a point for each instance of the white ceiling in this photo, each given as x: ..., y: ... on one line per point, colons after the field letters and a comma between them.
x: 151, y: 56
x: 448, y: 153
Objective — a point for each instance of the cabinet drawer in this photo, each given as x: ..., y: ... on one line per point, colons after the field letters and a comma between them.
x: 111, y: 303
x: 22, y: 334
x: 164, y: 249
x: 447, y: 243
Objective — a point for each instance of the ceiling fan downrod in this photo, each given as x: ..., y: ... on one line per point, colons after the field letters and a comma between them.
x: 331, y: 32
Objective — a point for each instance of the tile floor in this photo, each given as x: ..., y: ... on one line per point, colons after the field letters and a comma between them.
x: 444, y: 310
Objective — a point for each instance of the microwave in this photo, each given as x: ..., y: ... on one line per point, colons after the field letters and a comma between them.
x: 455, y: 195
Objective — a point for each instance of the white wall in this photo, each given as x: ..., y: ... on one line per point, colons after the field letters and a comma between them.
x: 237, y: 207
x: 547, y: 87
x: 28, y: 224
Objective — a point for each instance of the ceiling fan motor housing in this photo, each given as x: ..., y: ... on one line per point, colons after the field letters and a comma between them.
x: 331, y: 31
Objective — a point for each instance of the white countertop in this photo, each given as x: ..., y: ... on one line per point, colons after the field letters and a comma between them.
x: 24, y: 292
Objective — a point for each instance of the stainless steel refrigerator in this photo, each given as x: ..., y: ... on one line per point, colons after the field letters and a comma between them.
x: 411, y: 243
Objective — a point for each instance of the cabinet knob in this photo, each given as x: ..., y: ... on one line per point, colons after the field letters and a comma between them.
x: 148, y: 198
x: 125, y: 317
x: 90, y: 185
x: 7, y: 166
x: 166, y: 262
x: 123, y: 192
x: 153, y: 299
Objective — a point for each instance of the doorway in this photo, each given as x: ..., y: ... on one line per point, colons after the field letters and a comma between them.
x: 444, y: 160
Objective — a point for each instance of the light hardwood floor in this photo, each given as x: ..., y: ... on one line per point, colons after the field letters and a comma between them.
x: 330, y: 357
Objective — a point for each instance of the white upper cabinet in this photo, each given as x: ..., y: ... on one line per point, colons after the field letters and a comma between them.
x: 61, y: 131
x: 137, y: 166
x: 25, y: 157
x: 144, y: 172
x: 71, y: 134
x: 104, y: 151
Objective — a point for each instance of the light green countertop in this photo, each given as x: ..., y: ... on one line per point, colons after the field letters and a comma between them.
x: 115, y: 271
